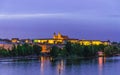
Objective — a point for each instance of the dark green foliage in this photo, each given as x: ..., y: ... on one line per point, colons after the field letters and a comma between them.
x: 68, y: 48
x: 111, y: 50
x: 4, y: 52
x: 86, y: 52
x: 21, y: 50
x: 14, y: 51
x: 25, y: 50
x: 55, y: 51
x: 82, y: 50
x: 78, y: 50
x: 37, y: 49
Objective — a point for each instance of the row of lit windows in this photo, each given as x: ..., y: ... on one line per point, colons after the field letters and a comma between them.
x: 73, y: 41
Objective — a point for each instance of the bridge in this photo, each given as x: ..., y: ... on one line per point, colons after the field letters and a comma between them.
x: 47, y: 47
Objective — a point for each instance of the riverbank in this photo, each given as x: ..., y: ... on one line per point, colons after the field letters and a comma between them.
x: 19, y: 58
x: 77, y: 57
x: 29, y: 58
x: 34, y: 57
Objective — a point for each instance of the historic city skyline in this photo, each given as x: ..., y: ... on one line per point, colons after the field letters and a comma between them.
x: 78, y: 19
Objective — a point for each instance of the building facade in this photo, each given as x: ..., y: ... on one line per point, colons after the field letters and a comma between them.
x: 62, y: 39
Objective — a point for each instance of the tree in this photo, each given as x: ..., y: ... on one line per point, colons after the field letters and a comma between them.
x: 108, y: 51
x: 68, y: 48
x: 86, y: 52
x: 37, y: 49
x: 77, y: 49
x: 55, y: 51
x: 21, y: 50
x: 14, y: 51
x: 4, y: 52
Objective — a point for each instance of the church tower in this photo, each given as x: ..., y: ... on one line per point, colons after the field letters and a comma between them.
x: 59, y: 36
x: 54, y: 36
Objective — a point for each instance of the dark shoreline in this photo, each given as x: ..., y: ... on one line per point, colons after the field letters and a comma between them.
x: 26, y: 58
x: 11, y: 59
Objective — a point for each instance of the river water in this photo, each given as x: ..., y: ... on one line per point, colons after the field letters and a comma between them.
x: 44, y: 66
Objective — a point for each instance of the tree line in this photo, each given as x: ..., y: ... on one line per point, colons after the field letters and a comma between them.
x: 69, y: 50
x: 21, y: 50
x: 78, y: 50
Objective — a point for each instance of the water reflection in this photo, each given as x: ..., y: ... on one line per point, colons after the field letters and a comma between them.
x: 57, y: 65
x: 101, y: 61
x: 42, y: 66
x: 49, y: 66
x: 60, y: 67
x: 43, y: 62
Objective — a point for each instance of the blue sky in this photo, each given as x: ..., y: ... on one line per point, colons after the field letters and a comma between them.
x: 84, y: 19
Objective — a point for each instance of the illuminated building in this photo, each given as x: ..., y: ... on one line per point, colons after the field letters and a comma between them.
x: 15, y: 40
x: 25, y: 41
x: 60, y: 36
x: 57, y: 39
x: 62, y: 39
x: 6, y: 46
x: 93, y: 42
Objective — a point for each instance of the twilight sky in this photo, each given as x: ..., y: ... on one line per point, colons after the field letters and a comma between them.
x: 83, y: 19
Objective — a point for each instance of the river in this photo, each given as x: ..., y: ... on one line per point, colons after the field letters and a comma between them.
x: 43, y: 66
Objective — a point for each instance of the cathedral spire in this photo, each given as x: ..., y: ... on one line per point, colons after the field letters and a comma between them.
x: 59, y: 33
x: 54, y: 33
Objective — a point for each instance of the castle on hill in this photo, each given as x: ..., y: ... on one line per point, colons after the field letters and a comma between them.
x: 46, y: 43
x: 62, y: 39
x: 60, y: 36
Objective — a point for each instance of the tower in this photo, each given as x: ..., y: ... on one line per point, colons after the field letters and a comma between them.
x: 59, y: 35
x: 54, y: 35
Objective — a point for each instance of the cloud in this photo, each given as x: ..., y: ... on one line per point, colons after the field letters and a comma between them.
x: 39, y: 15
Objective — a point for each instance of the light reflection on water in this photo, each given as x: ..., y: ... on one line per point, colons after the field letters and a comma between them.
x: 47, y: 61
x: 48, y: 66
x: 101, y: 61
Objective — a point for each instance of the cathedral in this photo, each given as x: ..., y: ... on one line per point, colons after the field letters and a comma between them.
x: 60, y: 36
x: 62, y: 39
